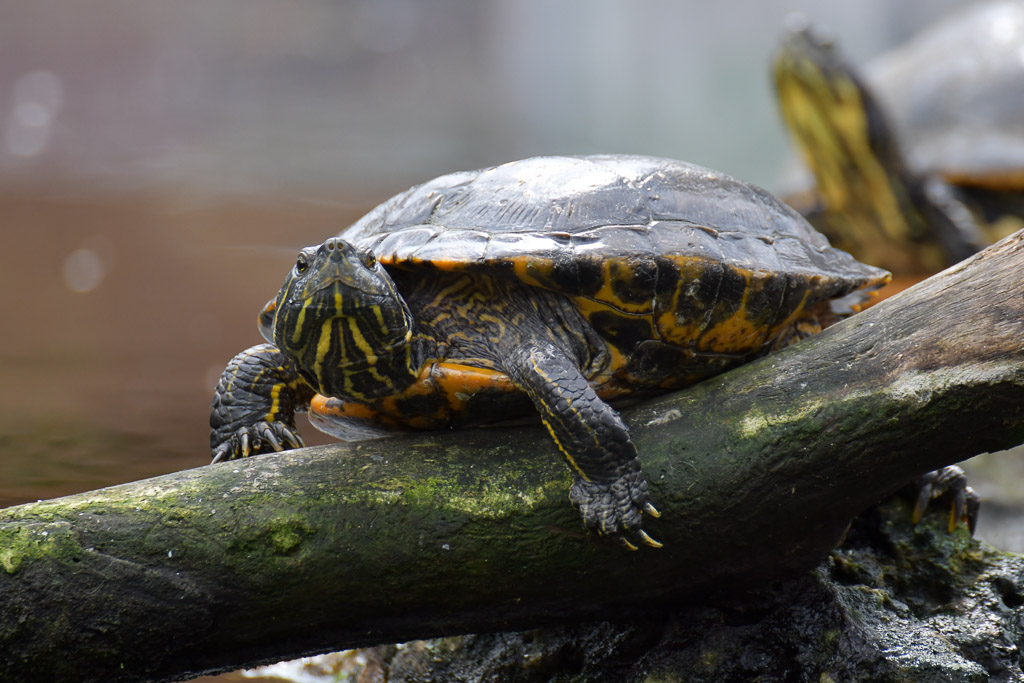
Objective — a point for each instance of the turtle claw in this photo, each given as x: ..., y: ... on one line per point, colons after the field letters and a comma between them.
x: 967, y: 506
x: 651, y: 510
x: 221, y: 452
x: 949, y: 482
x: 648, y: 540
x: 261, y: 437
x: 292, y: 439
x: 616, y: 508
x: 643, y: 536
x: 268, y: 435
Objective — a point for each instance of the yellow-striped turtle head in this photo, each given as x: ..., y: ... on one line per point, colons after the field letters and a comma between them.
x: 340, y: 318
x: 845, y: 138
x: 840, y: 129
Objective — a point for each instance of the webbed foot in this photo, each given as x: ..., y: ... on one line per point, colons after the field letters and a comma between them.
x: 261, y: 437
x: 949, y: 483
x: 254, y: 405
x: 617, y: 508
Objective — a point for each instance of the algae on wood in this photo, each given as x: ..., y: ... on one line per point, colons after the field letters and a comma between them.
x: 757, y: 474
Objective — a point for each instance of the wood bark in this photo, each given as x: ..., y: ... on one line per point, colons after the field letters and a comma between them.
x: 757, y: 473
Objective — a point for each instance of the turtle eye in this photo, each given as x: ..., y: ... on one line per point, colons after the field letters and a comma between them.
x: 301, y: 263
x: 369, y: 260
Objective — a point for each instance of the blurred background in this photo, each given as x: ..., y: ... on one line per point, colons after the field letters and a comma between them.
x: 359, y: 98
x: 161, y: 162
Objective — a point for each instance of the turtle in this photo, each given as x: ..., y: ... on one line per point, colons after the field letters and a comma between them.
x: 558, y: 286
x: 906, y: 176
x: 955, y: 92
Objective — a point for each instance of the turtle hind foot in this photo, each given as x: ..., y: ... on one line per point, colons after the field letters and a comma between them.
x: 616, y: 509
x: 260, y: 437
x: 949, y: 483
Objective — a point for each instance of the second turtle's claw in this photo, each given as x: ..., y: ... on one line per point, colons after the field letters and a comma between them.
x: 652, y: 511
x: 626, y: 544
x: 950, y: 482
x: 923, y: 496
x: 971, y: 512
x: 965, y: 506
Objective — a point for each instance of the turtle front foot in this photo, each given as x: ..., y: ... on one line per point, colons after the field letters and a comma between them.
x: 949, y: 483
x: 261, y: 437
x: 616, y: 508
x: 254, y: 405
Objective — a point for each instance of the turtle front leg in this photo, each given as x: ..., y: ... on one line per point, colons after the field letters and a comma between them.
x: 255, y: 403
x: 610, y: 489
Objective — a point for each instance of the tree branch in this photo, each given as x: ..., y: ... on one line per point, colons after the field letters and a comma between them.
x: 757, y: 473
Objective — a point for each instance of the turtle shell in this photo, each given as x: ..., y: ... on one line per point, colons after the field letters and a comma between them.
x: 955, y: 92
x: 648, y: 249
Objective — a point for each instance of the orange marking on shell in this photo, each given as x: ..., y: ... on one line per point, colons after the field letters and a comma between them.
x: 782, y: 325
x: 441, y: 263
x: 671, y: 326
x: 532, y: 271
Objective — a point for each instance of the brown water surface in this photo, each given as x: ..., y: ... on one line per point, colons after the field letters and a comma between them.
x: 121, y: 312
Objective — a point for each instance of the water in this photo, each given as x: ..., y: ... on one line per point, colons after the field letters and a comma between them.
x: 120, y: 314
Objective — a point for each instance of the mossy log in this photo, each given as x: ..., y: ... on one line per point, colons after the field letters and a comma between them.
x: 757, y: 473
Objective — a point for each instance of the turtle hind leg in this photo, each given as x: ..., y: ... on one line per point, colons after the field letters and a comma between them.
x: 254, y: 405
x: 948, y: 483
x: 609, y: 489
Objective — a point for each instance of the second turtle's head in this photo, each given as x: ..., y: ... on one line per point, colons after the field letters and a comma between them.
x: 841, y: 131
x: 340, y: 318
x: 849, y: 145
